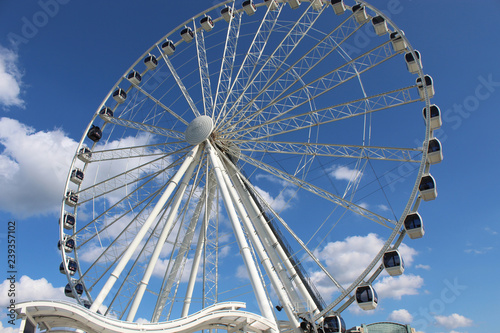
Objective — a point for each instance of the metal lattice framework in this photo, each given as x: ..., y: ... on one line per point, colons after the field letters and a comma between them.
x: 228, y: 159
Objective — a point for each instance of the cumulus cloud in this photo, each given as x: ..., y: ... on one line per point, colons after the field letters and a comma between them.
x: 286, y: 195
x: 10, y: 79
x: 453, y: 321
x: 8, y: 329
x: 401, y: 316
x: 397, y: 287
x: 347, y: 259
x: 34, y: 166
x: 340, y: 172
x: 426, y: 267
x: 28, y: 289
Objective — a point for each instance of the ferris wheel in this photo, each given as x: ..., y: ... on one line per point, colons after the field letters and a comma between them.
x: 224, y: 164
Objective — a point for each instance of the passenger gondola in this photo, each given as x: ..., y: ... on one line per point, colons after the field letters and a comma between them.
x: 84, y: 155
x: 206, y: 23
x: 414, y: 225
x: 427, y: 188
x: 134, y: 77
x: 429, y: 86
x: 271, y: 4
x: 71, y: 199
x: 94, y: 133
x: 412, y: 63
x: 151, y: 62
x: 436, y: 121
x: 119, y: 95
x: 187, y: 34
x: 398, y: 42
x: 434, y: 152
x: 380, y: 25
x: 168, y: 47
x: 249, y: 7
x: 393, y: 263
x: 71, y: 264
x: 105, y: 111
x: 294, y: 4
x: 69, y: 292
x: 68, y: 243
x: 76, y: 176
x: 338, y: 6
x: 227, y: 13
x: 68, y: 221
x: 333, y: 324
x: 317, y: 5
x: 366, y: 297
x: 360, y: 13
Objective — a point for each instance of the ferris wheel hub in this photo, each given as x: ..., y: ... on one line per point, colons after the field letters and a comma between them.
x: 199, y: 130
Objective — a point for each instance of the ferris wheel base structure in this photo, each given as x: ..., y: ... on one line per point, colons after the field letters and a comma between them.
x: 64, y: 317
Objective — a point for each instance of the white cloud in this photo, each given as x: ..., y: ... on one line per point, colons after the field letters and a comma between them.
x: 426, y: 267
x: 242, y: 273
x: 340, y: 172
x: 34, y: 166
x: 453, y: 321
x: 10, y: 79
x: 28, y: 289
x: 285, y: 197
x: 8, y: 329
x: 401, y: 316
x: 397, y: 287
x: 347, y: 259
x: 383, y: 208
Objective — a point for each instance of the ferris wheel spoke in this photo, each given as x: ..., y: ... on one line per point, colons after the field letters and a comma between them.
x: 208, y: 103
x: 252, y: 57
x: 145, y: 127
x: 329, y: 81
x: 157, y: 102
x: 280, y: 54
x: 332, y: 150
x: 180, y: 84
x: 320, y: 192
x: 126, y: 177
x: 306, y: 63
x: 227, y: 64
x: 327, y: 115
x: 166, y: 148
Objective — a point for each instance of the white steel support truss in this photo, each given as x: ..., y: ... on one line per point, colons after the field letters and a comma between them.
x: 208, y: 103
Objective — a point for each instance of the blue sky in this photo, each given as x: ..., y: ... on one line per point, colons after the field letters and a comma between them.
x: 56, y: 74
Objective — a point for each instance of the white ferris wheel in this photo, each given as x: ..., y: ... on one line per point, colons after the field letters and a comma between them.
x: 230, y: 155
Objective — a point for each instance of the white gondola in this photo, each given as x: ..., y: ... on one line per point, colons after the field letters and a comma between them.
x: 294, y: 4
x: 271, y: 4
x: 119, y: 95
x: 249, y: 7
x: 187, y: 34
x: 207, y: 24
x: 227, y: 13
x: 84, y: 155
x: 69, y: 292
x: 94, y: 133
x: 427, y: 187
x: 413, y: 64
x: 429, y: 86
x: 76, y: 176
x: 168, y: 47
x: 68, y: 221
x: 436, y: 120
x: 360, y: 13
x: 151, y: 62
x: 366, y: 297
x: 393, y: 263
x: 68, y: 243
x: 134, y: 77
x: 71, y: 199
x: 105, y: 112
x: 338, y: 6
x: 380, y: 25
x: 414, y: 225
x: 434, y: 152
x: 333, y: 324
x: 317, y: 5
x: 71, y: 264
x: 398, y: 42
